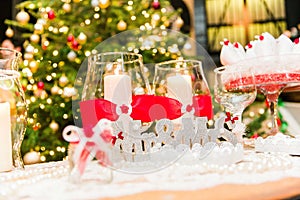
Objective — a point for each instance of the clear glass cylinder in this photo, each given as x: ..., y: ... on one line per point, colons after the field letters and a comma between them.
x: 184, y: 80
x: 13, y: 107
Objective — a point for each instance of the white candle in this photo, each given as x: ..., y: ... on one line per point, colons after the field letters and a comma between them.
x: 180, y: 88
x: 5, y: 138
x: 117, y: 89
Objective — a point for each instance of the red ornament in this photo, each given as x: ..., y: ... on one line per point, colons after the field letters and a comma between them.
x: 40, y: 85
x: 75, y: 45
x: 44, y: 47
x: 296, y: 41
x: 36, y: 127
x: 70, y: 38
x: 155, y: 4
x: 51, y: 15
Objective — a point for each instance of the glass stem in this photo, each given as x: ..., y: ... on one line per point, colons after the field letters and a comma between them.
x: 17, y: 158
x: 272, y: 100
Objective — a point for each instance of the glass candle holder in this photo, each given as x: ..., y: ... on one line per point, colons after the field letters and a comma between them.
x: 110, y: 86
x: 13, y: 111
x: 184, y: 81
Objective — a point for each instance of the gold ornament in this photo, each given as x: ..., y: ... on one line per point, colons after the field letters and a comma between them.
x: 9, y: 32
x: 33, y: 65
x: 167, y: 23
x: 178, y: 22
x: 35, y: 38
x: 76, y: 1
x: 63, y: 80
x: 40, y: 93
x: 121, y: 26
x: 104, y: 3
x: 41, y: 21
x: 28, y: 56
x: 69, y: 91
x: 29, y: 49
x: 155, y: 19
x: 39, y: 28
x: 81, y: 39
x: 54, y: 126
x: 55, y: 89
x: 32, y: 157
x: 71, y: 56
x: 22, y: 17
x: 67, y: 7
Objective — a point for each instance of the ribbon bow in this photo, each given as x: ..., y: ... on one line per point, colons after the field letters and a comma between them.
x: 119, y: 136
x: 146, y: 108
x: 229, y: 118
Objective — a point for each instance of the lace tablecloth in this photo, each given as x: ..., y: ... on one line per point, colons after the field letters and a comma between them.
x: 51, y: 180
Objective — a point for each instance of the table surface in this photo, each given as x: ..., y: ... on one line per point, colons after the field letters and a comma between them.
x: 178, y: 181
x: 282, y: 189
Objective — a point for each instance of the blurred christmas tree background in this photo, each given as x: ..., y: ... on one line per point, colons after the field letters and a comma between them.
x: 58, y: 35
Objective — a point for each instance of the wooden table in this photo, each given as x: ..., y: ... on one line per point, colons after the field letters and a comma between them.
x: 281, y: 189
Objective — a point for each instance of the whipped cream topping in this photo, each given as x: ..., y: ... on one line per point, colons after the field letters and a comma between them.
x: 263, y: 45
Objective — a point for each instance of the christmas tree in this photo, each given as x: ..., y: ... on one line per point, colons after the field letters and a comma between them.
x: 58, y: 35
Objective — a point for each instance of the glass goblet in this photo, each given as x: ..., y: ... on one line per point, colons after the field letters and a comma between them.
x: 13, y: 104
x: 273, y: 74
x: 184, y: 81
x: 234, y: 89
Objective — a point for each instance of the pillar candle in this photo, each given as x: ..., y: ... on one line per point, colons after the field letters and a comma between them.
x: 5, y: 138
x: 180, y: 88
x: 117, y: 89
